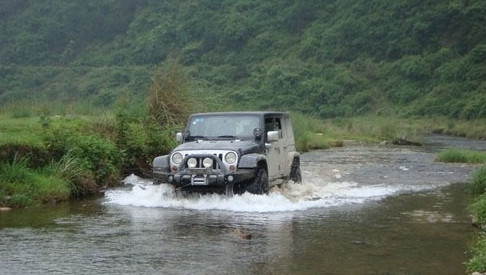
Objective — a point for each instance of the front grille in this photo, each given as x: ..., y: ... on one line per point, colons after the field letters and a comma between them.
x: 218, y: 157
x: 200, y: 162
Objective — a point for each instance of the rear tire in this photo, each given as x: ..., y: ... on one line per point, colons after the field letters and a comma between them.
x: 296, y: 176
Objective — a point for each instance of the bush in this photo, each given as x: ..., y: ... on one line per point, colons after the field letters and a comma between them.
x: 478, y: 209
x: 94, y: 152
x: 140, y: 140
x: 169, y: 100
x: 478, y: 262
x: 478, y: 185
x: 81, y: 181
x: 21, y: 186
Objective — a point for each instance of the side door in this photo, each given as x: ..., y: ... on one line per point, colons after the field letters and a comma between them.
x: 288, y: 145
x: 275, y: 152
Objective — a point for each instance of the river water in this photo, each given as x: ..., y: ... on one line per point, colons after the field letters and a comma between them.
x: 360, y: 210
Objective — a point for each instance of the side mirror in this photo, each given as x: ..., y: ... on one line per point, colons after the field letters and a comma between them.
x: 179, y: 137
x: 272, y: 136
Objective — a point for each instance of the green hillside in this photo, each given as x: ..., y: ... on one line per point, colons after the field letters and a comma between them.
x: 325, y: 58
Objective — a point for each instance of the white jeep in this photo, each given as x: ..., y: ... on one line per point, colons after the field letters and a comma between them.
x: 231, y: 152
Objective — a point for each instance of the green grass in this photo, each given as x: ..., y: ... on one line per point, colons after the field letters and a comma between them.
x: 477, y: 263
x: 462, y: 156
x: 479, y: 182
x: 21, y: 186
x: 24, y: 130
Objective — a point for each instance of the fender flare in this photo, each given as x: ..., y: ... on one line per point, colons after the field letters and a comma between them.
x: 161, y: 163
x: 251, y: 161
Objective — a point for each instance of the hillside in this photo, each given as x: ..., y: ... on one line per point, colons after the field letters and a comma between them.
x: 326, y: 58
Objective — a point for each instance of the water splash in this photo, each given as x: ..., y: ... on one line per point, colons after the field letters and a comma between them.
x: 289, y: 197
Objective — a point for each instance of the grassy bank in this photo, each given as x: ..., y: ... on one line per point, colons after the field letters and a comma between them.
x: 312, y: 133
x: 477, y: 263
x: 108, y: 144
x: 477, y: 187
x: 462, y: 156
x: 51, y: 158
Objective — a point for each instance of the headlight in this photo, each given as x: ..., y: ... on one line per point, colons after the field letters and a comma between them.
x: 192, y: 162
x: 207, y: 162
x: 177, y: 158
x: 230, y: 158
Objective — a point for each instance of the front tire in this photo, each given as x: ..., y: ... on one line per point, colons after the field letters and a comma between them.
x: 260, y: 183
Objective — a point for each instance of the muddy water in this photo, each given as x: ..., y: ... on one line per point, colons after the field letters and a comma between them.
x: 360, y: 210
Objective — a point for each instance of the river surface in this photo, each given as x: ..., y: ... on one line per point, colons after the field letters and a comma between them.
x: 360, y: 210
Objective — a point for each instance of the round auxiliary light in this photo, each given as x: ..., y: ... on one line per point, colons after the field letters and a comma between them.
x: 230, y: 158
x: 207, y: 162
x: 177, y: 158
x: 192, y: 162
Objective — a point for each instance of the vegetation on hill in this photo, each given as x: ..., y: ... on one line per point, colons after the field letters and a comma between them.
x: 325, y: 58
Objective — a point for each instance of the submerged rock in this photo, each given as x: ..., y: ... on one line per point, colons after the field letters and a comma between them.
x: 238, y: 233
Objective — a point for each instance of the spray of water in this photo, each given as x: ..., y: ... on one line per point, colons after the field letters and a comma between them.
x: 312, y: 193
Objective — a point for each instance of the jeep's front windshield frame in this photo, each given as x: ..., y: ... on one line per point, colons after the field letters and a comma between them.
x: 226, y: 126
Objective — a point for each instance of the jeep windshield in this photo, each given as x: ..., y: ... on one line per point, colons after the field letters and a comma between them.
x: 222, y: 127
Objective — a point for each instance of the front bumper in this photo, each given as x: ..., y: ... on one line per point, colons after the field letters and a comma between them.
x: 217, y: 176
x: 190, y: 177
x: 205, y: 177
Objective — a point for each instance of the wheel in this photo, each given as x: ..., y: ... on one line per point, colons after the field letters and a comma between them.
x: 296, y: 175
x: 156, y: 182
x: 260, y: 183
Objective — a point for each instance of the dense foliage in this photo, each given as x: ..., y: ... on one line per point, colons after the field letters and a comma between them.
x: 327, y: 58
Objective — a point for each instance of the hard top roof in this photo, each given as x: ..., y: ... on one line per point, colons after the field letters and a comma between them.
x: 236, y: 113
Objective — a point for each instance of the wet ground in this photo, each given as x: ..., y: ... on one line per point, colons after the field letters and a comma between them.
x: 360, y: 210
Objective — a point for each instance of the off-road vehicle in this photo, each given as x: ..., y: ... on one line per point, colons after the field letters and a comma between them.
x: 231, y: 152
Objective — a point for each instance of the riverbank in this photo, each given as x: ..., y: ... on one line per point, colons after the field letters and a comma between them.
x: 477, y: 263
x: 72, y: 155
x: 477, y: 187
x: 49, y: 159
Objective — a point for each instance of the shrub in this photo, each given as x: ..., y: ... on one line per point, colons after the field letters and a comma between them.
x: 21, y: 186
x: 94, y: 152
x: 478, y: 185
x: 80, y: 180
x: 478, y: 262
x: 168, y: 100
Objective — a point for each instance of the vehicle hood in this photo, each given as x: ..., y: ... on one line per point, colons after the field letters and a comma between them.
x: 242, y: 146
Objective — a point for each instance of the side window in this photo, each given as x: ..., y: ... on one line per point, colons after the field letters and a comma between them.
x: 268, y: 124
x: 274, y: 124
x: 278, y: 127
